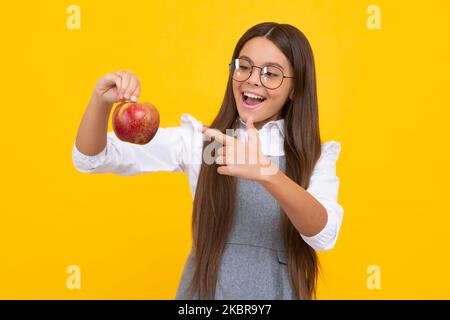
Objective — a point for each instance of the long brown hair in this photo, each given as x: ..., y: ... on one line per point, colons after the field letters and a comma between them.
x: 213, y: 207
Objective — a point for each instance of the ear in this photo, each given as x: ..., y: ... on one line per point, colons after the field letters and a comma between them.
x: 291, y: 95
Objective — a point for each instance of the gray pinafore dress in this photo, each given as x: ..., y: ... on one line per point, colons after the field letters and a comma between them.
x: 254, y: 260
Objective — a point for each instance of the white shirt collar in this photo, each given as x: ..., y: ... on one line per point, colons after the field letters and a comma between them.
x: 269, y: 125
x: 271, y: 135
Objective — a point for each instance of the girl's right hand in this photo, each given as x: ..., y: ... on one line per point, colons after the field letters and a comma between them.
x: 120, y: 85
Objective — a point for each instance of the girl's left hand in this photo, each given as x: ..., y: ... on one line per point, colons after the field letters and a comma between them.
x: 239, y: 158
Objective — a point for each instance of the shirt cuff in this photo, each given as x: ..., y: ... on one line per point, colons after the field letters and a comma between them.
x: 85, y: 162
x: 326, y: 238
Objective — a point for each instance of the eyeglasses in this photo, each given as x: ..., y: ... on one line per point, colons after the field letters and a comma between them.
x: 271, y: 76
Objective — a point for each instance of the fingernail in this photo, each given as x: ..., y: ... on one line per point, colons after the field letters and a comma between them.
x: 133, y: 98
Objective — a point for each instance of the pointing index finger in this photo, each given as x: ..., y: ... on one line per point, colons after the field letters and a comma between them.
x: 217, y: 135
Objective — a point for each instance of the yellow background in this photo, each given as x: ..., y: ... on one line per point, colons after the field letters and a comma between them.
x: 382, y: 93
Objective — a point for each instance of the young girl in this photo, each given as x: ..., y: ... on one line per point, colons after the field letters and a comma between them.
x: 256, y: 225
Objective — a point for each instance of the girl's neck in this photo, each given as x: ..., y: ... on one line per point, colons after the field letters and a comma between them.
x: 259, y: 125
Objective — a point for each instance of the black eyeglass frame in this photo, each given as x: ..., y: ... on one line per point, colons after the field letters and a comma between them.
x: 260, y: 73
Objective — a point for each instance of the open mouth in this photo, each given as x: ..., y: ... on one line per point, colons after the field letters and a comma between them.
x: 252, y: 102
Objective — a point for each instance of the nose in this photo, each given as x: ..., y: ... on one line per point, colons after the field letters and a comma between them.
x: 254, y: 77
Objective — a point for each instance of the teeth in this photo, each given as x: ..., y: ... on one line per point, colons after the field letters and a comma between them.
x: 254, y: 96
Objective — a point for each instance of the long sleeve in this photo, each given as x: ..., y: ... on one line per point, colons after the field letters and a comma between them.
x: 324, y: 185
x: 169, y: 150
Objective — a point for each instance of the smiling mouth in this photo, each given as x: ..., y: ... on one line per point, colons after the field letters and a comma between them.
x: 251, y: 103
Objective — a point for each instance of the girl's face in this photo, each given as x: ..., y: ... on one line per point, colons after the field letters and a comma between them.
x: 262, y: 52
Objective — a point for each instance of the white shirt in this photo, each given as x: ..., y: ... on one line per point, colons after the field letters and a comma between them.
x: 179, y: 149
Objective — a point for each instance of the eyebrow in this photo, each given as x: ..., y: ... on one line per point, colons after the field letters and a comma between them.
x: 268, y: 63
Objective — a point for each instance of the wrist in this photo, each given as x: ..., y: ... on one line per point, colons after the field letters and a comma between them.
x: 269, y: 174
x: 98, y: 100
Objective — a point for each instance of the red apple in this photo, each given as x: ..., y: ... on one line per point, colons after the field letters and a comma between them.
x: 135, y: 122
